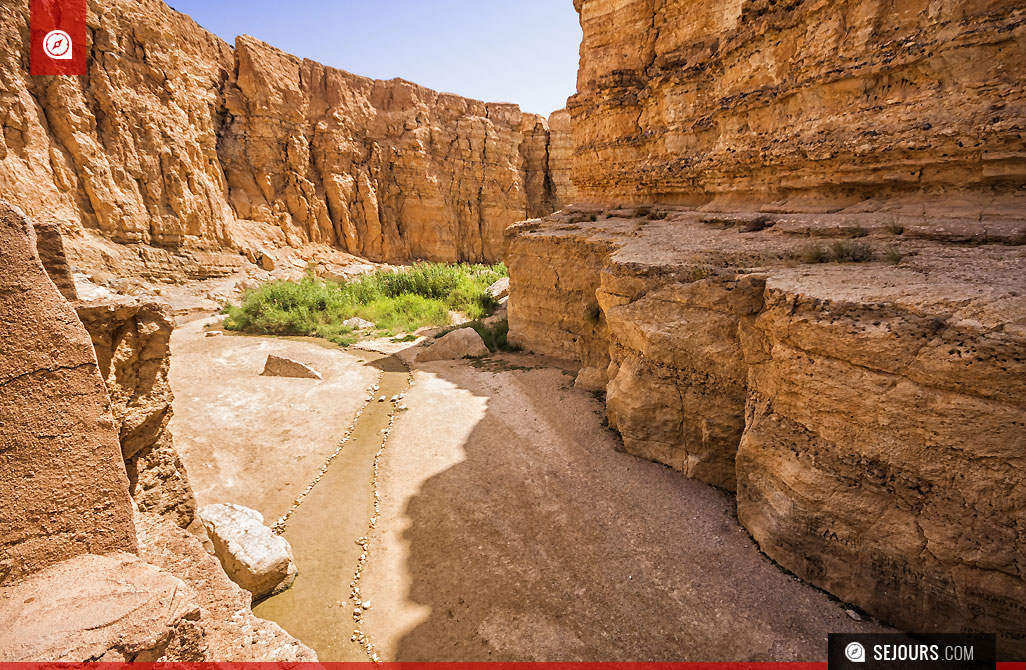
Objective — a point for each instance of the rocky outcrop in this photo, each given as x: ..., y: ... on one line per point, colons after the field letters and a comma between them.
x: 803, y: 105
x: 185, y: 152
x: 62, y: 480
x: 869, y: 415
x: 97, y: 608
x: 82, y: 576
x: 561, y: 154
x: 132, y: 340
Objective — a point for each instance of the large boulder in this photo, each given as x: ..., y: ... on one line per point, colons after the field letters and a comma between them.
x: 254, y: 557
x: 97, y: 608
x: 499, y: 289
x: 460, y: 343
x: 279, y: 366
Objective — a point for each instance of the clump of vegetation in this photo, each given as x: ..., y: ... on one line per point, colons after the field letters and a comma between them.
x: 895, y: 228
x: 813, y: 253
x: 695, y: 273
x: 394, y: 301
x: 854, y: 231
x: 851, y: 252
x: 892, y: 255
x: 581, y: 217
x: 841, y: 251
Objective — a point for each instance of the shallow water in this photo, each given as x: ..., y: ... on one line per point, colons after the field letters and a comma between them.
x: 324, y: 529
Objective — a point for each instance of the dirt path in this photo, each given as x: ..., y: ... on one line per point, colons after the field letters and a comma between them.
x: 511, y: 526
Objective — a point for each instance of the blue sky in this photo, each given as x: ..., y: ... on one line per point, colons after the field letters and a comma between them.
x: 524, y: 52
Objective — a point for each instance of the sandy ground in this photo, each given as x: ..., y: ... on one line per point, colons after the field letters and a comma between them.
x: 515, y: 529
x: 253, y: 440
x: 512, y: 525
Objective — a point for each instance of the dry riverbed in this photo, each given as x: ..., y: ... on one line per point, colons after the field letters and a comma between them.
x: 512, y: 526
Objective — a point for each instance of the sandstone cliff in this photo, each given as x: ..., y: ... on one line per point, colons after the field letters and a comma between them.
x: 869, y: 415
x: 803, y: 105
x: 189, y: 151
x: 83, y: 577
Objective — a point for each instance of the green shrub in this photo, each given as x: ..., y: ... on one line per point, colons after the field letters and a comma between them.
x: 401, y: 301
x: 851, y: 252
x: 813, y: 253
x: 893, y: 255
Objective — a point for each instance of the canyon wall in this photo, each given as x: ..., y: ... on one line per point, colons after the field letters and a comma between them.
x: 190, y: 151
x: 803, y: 105
x: 83, y: 575
x: 796, y: 268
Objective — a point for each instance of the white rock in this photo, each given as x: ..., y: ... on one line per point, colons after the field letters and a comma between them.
x: 499, y: 289
x: 214, y: 333
x: 255, y: 558
x: 278, y: 366
x: 457, y: 344
x: 381, y: 399
x: 356, y: 323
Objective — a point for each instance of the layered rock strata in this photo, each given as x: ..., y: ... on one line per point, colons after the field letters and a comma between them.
x: 870, y: 416
x: 803, y: 105
x: 183, y: 150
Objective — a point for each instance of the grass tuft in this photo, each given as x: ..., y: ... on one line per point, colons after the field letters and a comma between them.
x: 395, y: 302
x: 851, y: 252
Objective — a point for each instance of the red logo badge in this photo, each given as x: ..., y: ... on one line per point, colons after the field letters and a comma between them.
x: 58, y: 37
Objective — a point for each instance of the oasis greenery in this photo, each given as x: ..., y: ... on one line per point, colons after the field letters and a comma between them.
x: 394, y: 301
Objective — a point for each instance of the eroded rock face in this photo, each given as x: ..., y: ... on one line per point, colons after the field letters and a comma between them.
x: 62, y: 479
x: 132, y: 340
x: 189, y: 151
x: 870, y: 416
x: 803, y: 106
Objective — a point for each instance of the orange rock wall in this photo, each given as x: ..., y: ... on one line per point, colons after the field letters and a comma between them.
x: 803, y: 105
x: 177, y: 141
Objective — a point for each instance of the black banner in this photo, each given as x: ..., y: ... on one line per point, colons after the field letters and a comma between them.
x: 932, y: 651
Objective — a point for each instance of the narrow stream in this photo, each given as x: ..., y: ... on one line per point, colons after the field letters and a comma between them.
x: 325, y: 528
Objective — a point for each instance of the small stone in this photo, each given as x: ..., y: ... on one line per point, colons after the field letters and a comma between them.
x: 381, y: 399
x: 214, y: 333
x: 853, y: 615
x: 356, y: 323
x: 279, y: 366
x: 365, y: 604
